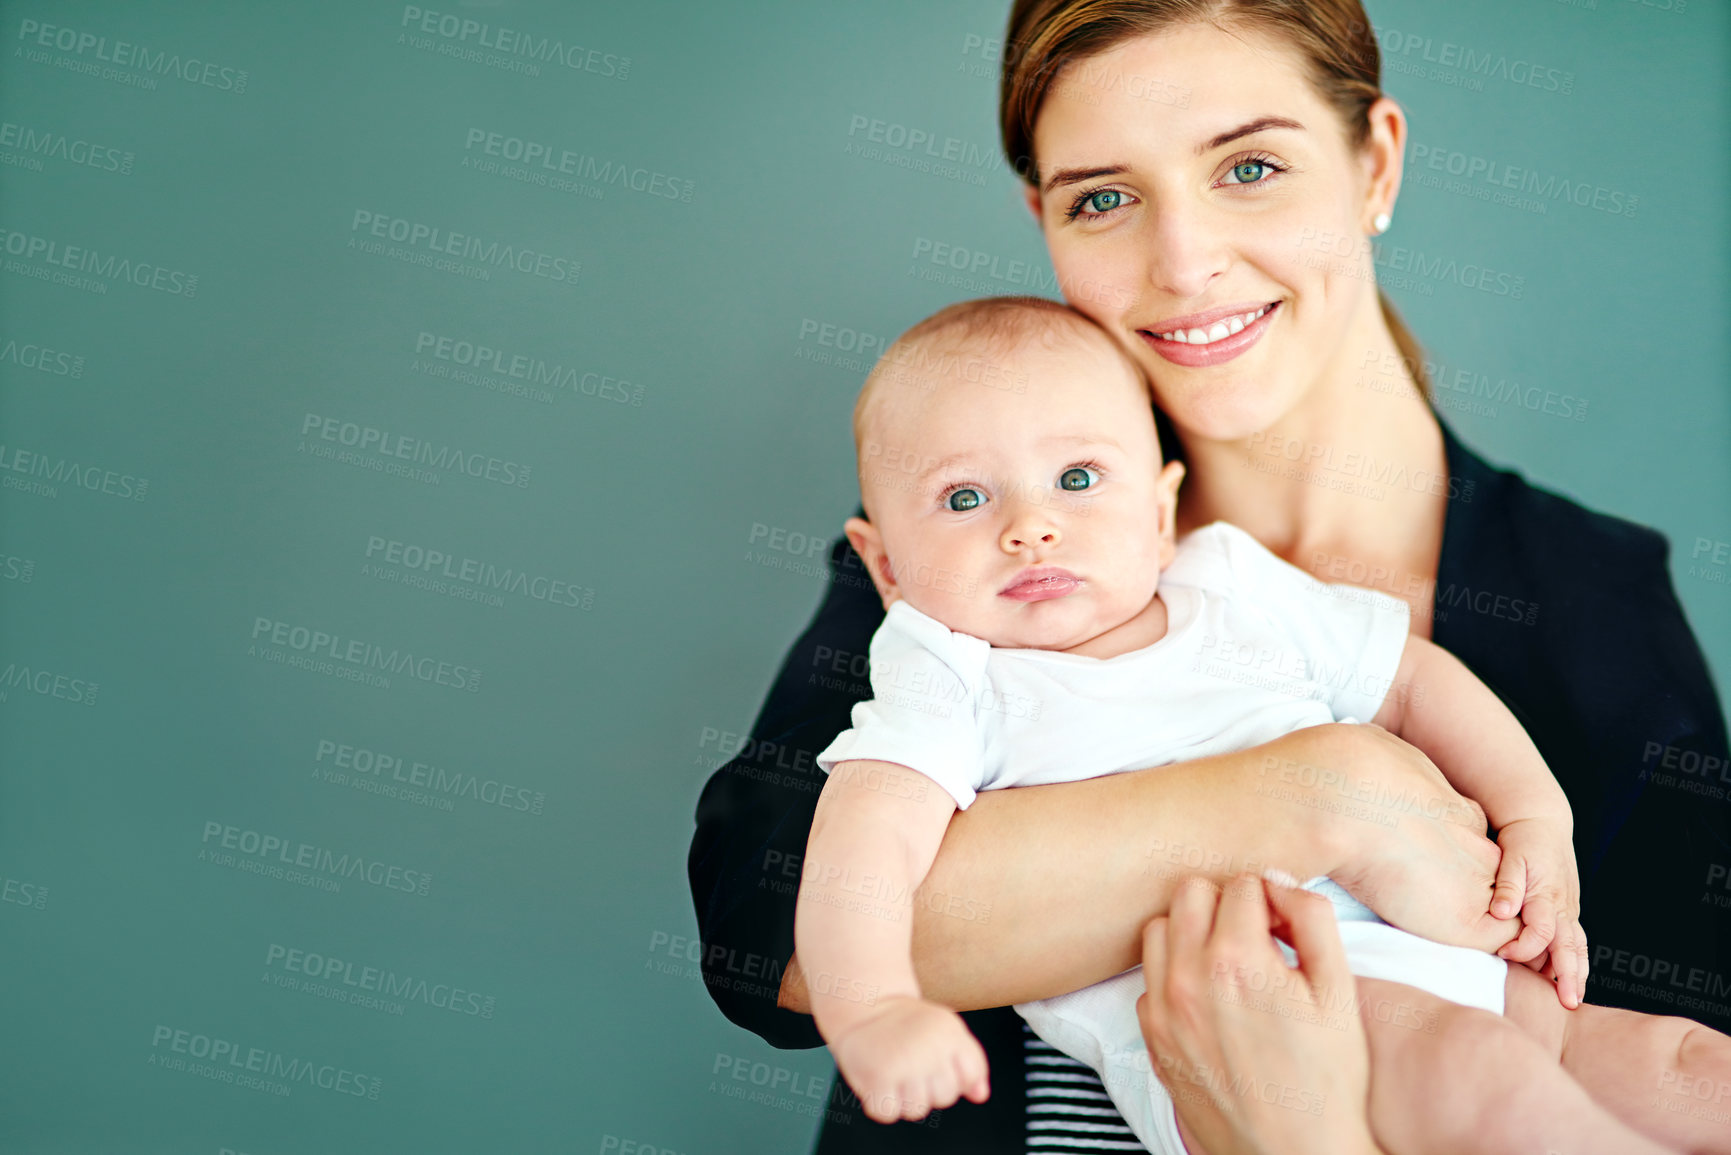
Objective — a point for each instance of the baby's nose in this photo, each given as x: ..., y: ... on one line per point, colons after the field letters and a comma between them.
x: 1026, y: 536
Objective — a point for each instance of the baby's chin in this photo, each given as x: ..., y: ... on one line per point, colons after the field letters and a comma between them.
x: 1052, y: 634
x: 1077, y: 624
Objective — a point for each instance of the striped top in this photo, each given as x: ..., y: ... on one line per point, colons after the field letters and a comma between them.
x: 1068, y: 1108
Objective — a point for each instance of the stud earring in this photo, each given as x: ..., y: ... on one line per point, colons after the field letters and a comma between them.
x: 1381, y: 223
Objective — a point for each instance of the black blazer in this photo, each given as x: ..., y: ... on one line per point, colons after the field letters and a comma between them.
x: 1568, y: 615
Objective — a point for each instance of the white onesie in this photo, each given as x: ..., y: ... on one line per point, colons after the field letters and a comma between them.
x: 1254, y: 648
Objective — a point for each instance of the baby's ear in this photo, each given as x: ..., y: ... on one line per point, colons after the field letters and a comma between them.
x: 1166, y: 501
x: 869, y: 544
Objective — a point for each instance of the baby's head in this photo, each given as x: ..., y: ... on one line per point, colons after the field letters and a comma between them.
x: 1011, y: 475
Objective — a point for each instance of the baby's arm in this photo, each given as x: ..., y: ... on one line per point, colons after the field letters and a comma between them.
x: 875, y: 833
x: 1438, y: 705
x: 1441, y: 707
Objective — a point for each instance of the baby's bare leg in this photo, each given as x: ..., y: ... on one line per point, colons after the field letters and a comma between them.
x: 1446, y: 1078
x: 1667, y: 1077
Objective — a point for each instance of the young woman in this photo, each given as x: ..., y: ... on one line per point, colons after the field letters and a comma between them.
x: 1224, y: 239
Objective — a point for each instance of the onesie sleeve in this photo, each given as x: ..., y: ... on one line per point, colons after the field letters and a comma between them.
x: 926, y: 681
x: 1346, y: 641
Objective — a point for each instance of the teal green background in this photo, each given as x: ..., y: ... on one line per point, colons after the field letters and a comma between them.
x: 657, y: 500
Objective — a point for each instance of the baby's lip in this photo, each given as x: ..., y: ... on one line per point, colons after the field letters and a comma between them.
x: 1040, y: 582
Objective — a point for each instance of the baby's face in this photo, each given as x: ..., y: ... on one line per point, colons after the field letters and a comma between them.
x: 1024, y: 504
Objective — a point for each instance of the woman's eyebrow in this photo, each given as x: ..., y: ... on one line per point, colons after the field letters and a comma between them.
x: 1260, y: 124
x: 1075, y: 175
x: 1066, y: 176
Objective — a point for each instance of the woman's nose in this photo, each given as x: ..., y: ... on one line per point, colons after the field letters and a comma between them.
x: 1186, y: 251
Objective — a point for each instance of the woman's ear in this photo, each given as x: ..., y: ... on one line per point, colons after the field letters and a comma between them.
x: 1166, y: 503
x: 869, y: 544
x: 1384, y: 157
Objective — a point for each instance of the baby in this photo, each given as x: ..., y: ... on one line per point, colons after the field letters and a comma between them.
x: 1044, y: 625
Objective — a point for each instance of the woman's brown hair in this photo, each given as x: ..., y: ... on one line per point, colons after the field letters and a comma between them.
x: 1334, y: 37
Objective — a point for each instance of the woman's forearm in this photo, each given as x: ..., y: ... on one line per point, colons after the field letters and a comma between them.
x: 1041, y: 890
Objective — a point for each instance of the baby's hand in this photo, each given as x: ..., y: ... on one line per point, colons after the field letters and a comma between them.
x: 1538, y: 878
x: 910, y: 1058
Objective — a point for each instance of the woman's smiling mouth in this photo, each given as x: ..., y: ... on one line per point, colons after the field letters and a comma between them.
x: 1210, y: 338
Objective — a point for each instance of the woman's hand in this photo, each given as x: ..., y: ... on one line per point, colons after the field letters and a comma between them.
x: 1260, y: 1058
x: 1413, y: 848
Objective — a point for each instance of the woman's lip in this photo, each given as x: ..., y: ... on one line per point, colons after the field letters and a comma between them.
x: 1215, y: 352
x: 1041, y: 584
x: 1204, y: 320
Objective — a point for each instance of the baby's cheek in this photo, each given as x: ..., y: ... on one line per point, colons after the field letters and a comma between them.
x: 951, y: 597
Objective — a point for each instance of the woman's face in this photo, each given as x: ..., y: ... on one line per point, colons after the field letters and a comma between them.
x: 1203, y: 204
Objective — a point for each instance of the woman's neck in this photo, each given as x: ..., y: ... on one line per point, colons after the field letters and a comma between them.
x: 1356, y: 472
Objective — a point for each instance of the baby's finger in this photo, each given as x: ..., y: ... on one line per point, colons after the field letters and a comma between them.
x: 1510, y: 892
x: 1540, y: 919
x: 1570, y: 985
x: 1563, y: 971
x: 1556, y: 971
x: 942, y: 1085
x: 882, y: 1104
x: 972, y: 1075
x: 911, y: 1097
x: 1529, y: 949
x: 1568, y: 955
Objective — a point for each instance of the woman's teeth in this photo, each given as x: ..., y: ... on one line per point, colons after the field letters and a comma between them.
x: 1218, y: 331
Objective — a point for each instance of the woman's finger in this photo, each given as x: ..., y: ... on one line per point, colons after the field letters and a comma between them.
x: 1194, y: 1039
x: 1241, y: 919
x: 1152, y: 1010
x: 1307, y: 923
x: 1154, y: 940
x: 1190, y: 920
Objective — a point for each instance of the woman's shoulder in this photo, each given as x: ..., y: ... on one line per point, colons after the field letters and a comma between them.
x: 1571, y: 616
x: 1497, y: 515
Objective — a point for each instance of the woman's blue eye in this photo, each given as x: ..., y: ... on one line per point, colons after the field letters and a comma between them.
x: 1076, y: 478
x: 962, y: 500
x: 1250, y: 171
x: 1103, y: 201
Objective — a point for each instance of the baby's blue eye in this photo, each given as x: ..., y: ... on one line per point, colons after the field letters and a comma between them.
x: 1103, y: 201
x: 1250, y: 171
x: 1077, y: 478
x: 962, y: 500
